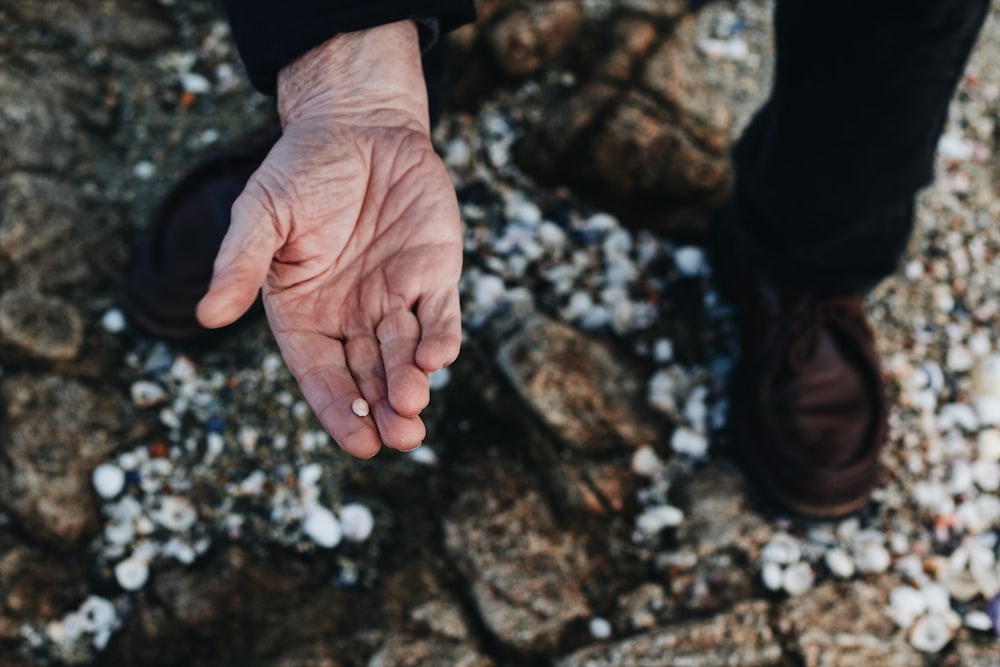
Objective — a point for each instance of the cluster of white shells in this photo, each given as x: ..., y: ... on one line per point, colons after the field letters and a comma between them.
x: 168, y: 500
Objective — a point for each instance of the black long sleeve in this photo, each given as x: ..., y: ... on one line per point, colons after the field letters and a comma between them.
x: 272, y: 33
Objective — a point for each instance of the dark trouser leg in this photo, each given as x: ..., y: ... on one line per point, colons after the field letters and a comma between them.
x: 827, y: 172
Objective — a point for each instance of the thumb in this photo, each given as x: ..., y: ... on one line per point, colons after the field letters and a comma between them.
x: 242, y: 263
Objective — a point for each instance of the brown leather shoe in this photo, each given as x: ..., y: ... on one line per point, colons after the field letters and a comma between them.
x: 808, y: 408
x: 172, y: 265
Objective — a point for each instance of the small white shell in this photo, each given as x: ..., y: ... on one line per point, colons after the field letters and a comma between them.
x: 936, y: 596
x: 690, y: 261
x: 97, y: 613
x: 175, y: 513
x: 783, y: 549
x: 690, y: 442
x: 146, y: 394
x: 424, y: 455
x: 360, y: 407
x: 645, y: 462
x: 870, y: 553
x: 905, y: 605
x: 132, y: 573
x: 322, y: 527
x: 356, y: 521
x: 771, y: 575
x: 930, y: 633
x: 978, y: 620
x: 600, y: 628
x: 986, y: 376
x: 798, y: 578
x: 113, y: 321
x: 658, y: 517
x: 988, y: 445
x: 108, y: 480
x: 840, y: 563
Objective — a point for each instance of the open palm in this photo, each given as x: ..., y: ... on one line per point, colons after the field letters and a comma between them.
x: 353, y: 230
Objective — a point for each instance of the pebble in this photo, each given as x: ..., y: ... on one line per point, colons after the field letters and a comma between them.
x: 600, y: 628
x: 987, y: 410
x: 690, y: 261
x: 132, y: 573
x: 798, y: 578
x: 657, y: 518
x: 906, y: 604
x: 439, y: 379
x: 959, y: 584
x: 839, y: 562
x: 113, y: 321
x: 146, y: 394
x: 689, y: 442
x: 322, y: 527
x: 986, y: 376
x: 870, y: 554
x: 424, y: 455
x: 978, y: 620
x: 357, y: 522
x: 987, y: 475
x: 661, y: 391
x: 988, y: 445
x: 144, y: 170
x: 663, y: 350
x: 108, y: 480
x: 958, y: 415
x: 645, y: 462
x: 959, y: 359
x: 772, y: 576
x: 195, y: 83
x: 782, y: 549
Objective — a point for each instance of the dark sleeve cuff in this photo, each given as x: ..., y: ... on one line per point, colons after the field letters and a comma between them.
x: 272, y: 33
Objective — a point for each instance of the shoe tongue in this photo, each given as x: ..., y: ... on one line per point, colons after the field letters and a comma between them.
x: 825, y: 407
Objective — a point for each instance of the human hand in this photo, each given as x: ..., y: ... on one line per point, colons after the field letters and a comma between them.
x: 351, y: 225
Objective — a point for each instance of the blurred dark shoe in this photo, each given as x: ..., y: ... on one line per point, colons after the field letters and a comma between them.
x: 808, y: 408
x: 172, y: 266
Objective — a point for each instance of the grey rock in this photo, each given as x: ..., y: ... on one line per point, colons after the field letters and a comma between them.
x: 642, y: 129
x: 47, y: 126
x: 643, y: 608
x: 718, y: 514
x: 405, y: 651
x: 716, y: 581
x: 532, y: 36
x: 574, y: 384
x: 36, y: 214
x: 39, y: 327
x: 33, y: 584
x: 136, y: 26
x: 57, y: 431
x: 237, y: 607
x: 740, y: 638
x: 520, y: 565
x: 52, y: 241
x: 442, y: 618
x: 844, y: 624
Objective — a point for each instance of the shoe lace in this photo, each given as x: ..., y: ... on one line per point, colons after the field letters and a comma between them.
x: 810, y: 319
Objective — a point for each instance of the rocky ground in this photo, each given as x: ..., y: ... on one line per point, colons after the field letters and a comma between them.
x: 573, y: 505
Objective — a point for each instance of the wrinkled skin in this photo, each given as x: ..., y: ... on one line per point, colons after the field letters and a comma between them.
x: 351, y: 227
